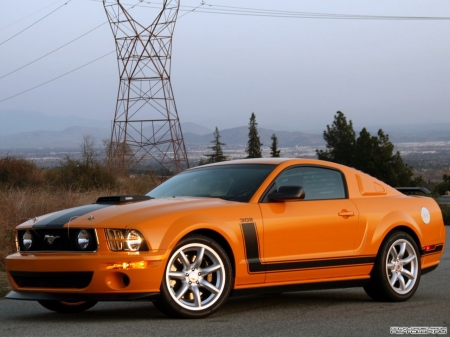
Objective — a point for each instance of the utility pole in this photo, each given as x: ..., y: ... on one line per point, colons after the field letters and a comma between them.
x: 146, y: 126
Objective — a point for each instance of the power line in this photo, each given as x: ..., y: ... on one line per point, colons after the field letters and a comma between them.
x: 40, y: 10
x: 73, y: 70
x: 34, y: 23
x: 55, y: 50
x: 192, y: 10
x: 268, y: 12
x: 54, y: 79
x: 257, y: 12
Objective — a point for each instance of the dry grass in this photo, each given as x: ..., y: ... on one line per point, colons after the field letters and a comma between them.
x: 20, y: 204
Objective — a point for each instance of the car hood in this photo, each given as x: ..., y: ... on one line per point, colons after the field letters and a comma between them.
x: 123, y: 215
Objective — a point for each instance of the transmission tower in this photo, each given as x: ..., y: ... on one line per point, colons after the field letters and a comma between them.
x: 146, y: 125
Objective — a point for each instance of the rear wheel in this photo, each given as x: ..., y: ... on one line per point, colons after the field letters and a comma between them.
x: 197, y: 279
x: 396, y: 274
x: 68, y: 307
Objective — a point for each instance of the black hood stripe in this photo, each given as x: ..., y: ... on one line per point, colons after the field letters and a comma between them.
x: 59, y: 219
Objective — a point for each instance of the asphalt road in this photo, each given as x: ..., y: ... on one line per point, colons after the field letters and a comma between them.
x: 348, y: 312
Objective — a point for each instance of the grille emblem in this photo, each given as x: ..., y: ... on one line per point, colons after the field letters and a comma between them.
x: 50, y: 238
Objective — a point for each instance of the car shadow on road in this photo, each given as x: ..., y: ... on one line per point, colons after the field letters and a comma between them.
x: 235, y: 306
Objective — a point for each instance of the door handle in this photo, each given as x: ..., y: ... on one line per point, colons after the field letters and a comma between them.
x: 346, y: 214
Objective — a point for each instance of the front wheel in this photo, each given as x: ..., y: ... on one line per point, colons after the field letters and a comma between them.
x: 197, y: 279
x: 396, y: 274
x: 68, y: 307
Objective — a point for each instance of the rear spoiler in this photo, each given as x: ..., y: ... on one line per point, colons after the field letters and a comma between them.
x: 409, y: 190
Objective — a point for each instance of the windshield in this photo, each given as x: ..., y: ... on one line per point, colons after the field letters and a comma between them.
x: 229, y: 182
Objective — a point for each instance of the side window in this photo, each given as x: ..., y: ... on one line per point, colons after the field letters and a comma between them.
x: 319, y: 183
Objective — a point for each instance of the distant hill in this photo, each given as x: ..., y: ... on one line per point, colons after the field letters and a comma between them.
x: 17, y: 121
x: 239, y: 136
x: 195, y: 129
x: 28, y: 129
x: 69, y: 137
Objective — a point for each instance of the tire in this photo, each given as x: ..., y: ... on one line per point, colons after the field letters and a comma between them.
x: 197, y: 279
x: 396, y: 273
x: 68, y: 307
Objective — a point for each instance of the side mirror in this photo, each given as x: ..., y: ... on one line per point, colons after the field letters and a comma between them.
x: 288, y: 193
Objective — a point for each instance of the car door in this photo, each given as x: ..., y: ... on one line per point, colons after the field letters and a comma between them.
x: 312, y: 237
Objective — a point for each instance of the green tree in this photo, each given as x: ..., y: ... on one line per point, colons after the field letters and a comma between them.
x: 375, y: 155
x: 443, y: 187
x: 274, y: 152
x: 254, y: 145
x: 217, y: 152
x: 371, y: 154
x: 340, y: 141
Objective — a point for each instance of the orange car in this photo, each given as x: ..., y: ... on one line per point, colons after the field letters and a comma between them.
x: 254, y: 225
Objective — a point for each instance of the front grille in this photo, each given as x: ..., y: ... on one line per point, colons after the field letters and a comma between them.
x: 55, y: 240
x: 52, y: 280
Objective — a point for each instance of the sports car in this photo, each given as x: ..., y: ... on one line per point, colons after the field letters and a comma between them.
x: 230, y: 228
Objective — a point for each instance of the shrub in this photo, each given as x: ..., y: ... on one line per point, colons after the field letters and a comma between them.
x: 19, y: 173
x: 80, y: 176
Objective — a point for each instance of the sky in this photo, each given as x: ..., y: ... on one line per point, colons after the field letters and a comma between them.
x: 293, y: 73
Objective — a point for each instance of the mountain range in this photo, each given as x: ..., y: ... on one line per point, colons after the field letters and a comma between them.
x: 28, y: 129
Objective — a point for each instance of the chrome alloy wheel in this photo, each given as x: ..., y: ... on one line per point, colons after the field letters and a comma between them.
x: 195, y: 276
x: 402, y: 266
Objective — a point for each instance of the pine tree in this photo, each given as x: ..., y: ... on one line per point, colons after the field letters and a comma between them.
x: 254, y: 145
x: 340, y: 141
x: 217, y: 155
x: 274, y: 152
x: 371, y: 154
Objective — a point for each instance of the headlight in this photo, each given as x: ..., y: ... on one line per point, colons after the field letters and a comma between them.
x: 83, y: 239
x: 129, y: 240
x: 27, y: 240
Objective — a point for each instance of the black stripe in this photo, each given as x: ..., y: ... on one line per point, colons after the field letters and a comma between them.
x: 59, y: 219
x: 436, y: 250
x: 256, y: 266
x: 299, y: 287
x: 252, y: 248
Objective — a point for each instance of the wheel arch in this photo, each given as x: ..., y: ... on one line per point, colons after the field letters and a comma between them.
x: 220, y: 240
x: 411, y: 233
x: 407, y: 230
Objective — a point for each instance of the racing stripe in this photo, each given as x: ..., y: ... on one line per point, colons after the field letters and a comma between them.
x: 256, y: 266
x: 59, y: 219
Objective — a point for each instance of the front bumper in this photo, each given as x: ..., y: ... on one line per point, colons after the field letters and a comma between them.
x: 111, y: 276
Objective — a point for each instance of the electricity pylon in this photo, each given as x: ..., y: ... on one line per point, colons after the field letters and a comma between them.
x: 146, y: 124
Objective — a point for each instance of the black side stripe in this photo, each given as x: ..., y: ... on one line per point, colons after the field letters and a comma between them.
x: 252, y: 248
x: 256, y: 266
x: 59, y: 219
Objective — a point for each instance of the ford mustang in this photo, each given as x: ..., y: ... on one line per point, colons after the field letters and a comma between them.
x: 236, y: 227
